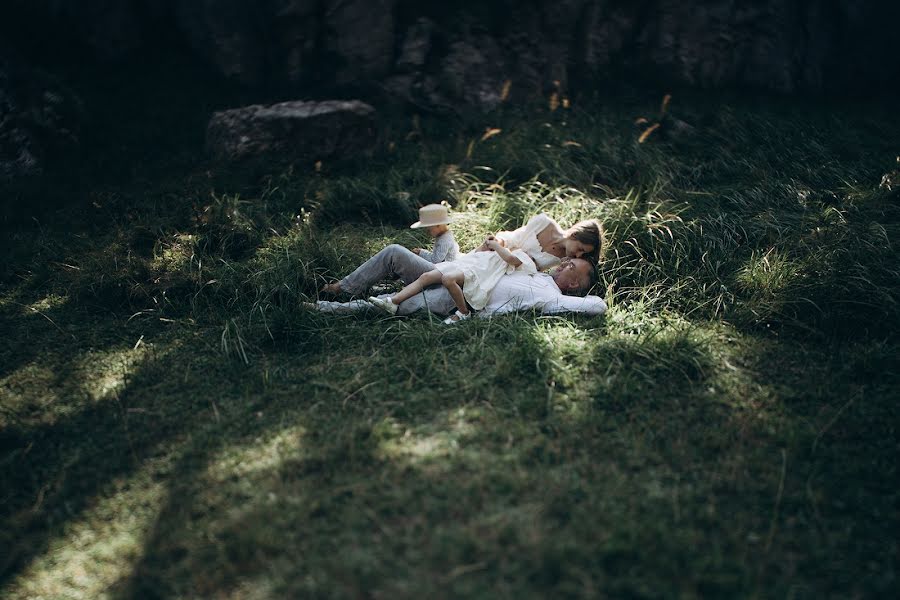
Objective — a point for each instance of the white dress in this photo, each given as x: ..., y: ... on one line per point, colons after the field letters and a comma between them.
x: 525, y: 238
x: 482, y: 270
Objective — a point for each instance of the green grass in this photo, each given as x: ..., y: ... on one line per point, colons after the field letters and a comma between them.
x: 174, y: 425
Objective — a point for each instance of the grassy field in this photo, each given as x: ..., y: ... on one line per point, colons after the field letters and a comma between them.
x: 174, y: 425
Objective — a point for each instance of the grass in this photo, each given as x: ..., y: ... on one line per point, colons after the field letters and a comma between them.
x: 173, y: 425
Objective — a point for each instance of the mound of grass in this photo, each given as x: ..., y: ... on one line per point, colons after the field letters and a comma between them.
x: 175, y: 425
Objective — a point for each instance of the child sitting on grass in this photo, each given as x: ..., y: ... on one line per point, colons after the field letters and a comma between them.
x: 435, y: 218
x: 469, y: 279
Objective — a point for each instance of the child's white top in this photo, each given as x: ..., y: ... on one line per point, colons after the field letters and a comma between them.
x: 482, y: 271
x: 525, y: 237
x: 445, y: 248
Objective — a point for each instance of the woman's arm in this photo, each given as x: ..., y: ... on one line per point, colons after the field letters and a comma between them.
x: 518, y: 237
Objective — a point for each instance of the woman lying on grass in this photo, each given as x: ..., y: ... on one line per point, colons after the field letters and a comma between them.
x: 538, y: 245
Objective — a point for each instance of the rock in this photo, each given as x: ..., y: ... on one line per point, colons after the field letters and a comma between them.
x: 293, y: 35
x: 402, y: 87
x: 110, y: 30
x: 770, y: 44
x: 358, y: 36
x: 891, y: 181
x: 40, y: 120
x: 450, y: 55
x: 229, y: 34
x: 292, y: 131
x: 473, y: 73
x: 295, y: 42
x: 415, y: 47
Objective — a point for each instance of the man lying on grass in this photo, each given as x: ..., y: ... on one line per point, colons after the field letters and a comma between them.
x: 562, y: 290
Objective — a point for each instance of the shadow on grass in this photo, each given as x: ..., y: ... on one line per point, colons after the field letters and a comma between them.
x: 103, y: 412
x: 441, y: 488
x: 564, y: 456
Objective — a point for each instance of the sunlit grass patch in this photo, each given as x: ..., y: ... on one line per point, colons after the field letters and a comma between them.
x: 29, y: 392
x: 51, y: 389
x: 767, y: 274
x: 49, y: 302
x: 105, y: 374
x: 425, y: 444
x: 91, y: 554
x: 174, y: 254
x: 257, y: 456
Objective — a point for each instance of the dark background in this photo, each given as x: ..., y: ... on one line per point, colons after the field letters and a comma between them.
x: 75, y: 72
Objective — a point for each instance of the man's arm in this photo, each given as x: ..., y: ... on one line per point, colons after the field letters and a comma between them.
x: 523, y: 292
x: 588, y: 305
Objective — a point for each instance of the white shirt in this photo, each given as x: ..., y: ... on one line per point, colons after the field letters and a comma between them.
x: 538, y: 292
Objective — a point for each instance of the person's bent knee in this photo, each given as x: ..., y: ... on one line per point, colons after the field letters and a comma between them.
x: 390, y: 251
x: 396, y: 249
x: 449, y: 279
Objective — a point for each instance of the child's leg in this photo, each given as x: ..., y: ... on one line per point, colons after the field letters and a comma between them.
x: 424, y: 280
x: 453, y: 281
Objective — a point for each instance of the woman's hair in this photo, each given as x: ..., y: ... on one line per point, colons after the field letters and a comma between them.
x: 589, y: 232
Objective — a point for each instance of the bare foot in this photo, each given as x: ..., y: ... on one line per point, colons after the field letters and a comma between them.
x: 331, y: 288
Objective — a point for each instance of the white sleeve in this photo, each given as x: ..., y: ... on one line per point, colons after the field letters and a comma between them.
x: 589, y: 305
x: 516, y: 238
x: 442, y: 247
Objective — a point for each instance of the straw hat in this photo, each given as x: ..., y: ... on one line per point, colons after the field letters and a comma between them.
x: 431, y: 215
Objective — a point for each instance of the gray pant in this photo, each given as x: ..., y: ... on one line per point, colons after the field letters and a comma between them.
x: 393, y: 262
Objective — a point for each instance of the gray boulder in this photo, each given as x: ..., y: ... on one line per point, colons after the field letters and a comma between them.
x: 292, y: 131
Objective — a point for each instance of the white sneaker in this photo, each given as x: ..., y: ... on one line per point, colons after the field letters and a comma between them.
x: 456, y: 318
x: 384, y: 304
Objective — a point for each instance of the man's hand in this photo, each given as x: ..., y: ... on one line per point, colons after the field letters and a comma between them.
x: 416, y: 251
x: 493, y: 244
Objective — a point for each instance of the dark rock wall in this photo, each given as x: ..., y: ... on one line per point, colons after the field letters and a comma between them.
x: 781, y: 45
x: 40, y: 119
x: 439, y: 56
